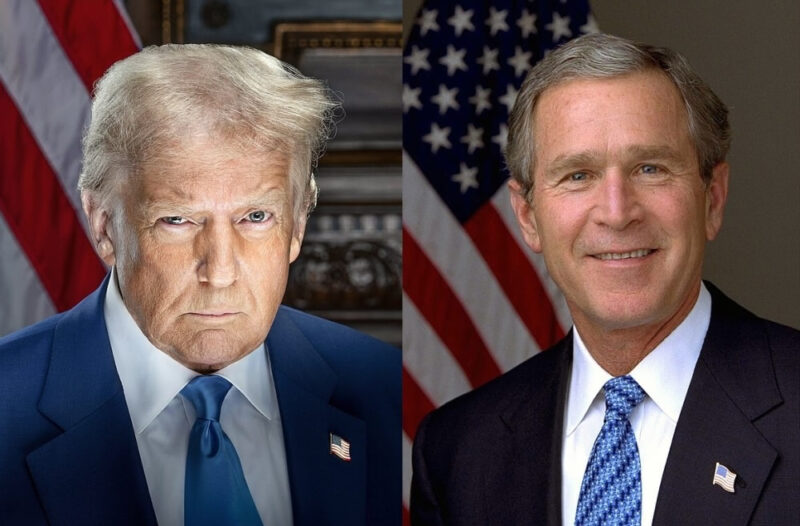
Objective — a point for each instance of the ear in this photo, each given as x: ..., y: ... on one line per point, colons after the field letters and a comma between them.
x: 524, y: 214
x: 716, y: 197
x: 298, y: 231
x: 99, y: 227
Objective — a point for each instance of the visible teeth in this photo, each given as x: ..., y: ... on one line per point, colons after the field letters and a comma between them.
x: 625, y: 255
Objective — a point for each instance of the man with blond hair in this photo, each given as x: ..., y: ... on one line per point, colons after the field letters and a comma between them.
x: 181, y: 392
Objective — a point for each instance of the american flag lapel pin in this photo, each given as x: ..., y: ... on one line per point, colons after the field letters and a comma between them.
x: 724, y: 478
x: 340, y: 447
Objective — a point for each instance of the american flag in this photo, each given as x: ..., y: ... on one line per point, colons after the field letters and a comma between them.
x: 724, y: 477
x: 51, y: 53
x: 340, y: 447
x: 476, y: 301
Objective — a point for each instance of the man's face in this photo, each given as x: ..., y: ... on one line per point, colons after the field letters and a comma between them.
x: 618, y: 208
x: 202, y: 247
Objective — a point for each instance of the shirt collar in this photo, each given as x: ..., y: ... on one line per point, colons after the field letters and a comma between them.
x: 151, y: 378
x: 664, y: 374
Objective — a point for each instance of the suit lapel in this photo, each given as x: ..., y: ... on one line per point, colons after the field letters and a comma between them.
x: 525, y: 482
x: 324, y: 487
x: 91, y: 473
x: 732, y: 386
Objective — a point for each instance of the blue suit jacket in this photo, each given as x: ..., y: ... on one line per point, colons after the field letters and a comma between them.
x: 68, y: 454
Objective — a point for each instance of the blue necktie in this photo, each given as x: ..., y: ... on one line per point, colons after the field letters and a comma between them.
x: 611, y: 491
x: 215, y: 490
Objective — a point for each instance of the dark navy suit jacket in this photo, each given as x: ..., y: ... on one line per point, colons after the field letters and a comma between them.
x: 493, y: 456
x: 68, y: 454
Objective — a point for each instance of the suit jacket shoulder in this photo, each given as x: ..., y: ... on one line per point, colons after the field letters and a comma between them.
x: 331, y: 382
x: 492, y: 455
x: 742, y: 410
x: 69, y: 454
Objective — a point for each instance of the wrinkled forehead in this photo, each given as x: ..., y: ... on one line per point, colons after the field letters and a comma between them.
x: 208, y: 174
x: 570, y: 104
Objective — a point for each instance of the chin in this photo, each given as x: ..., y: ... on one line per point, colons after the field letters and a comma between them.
x: 211, y: 350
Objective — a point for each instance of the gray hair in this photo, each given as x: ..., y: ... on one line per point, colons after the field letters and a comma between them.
x: 599, y: 56
x: 152, y: 101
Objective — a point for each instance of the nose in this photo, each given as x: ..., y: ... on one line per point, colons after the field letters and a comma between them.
x: 217, y: 254
x: 618, y: 204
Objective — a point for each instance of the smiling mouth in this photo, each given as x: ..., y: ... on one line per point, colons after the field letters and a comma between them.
x: 608, y: 256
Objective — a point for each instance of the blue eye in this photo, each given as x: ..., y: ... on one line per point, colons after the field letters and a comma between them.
x: 578, y: 176
x: 174, y: 220
x: 259, y: 216
x: 650, y: 169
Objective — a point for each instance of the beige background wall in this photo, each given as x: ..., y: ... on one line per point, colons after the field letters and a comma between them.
x: 750, y: 55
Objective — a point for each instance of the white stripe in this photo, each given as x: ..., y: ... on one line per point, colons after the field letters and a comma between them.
x: 502, y: 203
x: 452, y: 251
x: 23, y: 299
x: 407, y: 445
x: 123, y: 13
x: 428, y: 360
x: 45, y: 87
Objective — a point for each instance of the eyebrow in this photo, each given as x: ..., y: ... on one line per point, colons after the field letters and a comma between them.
x: 585, y: 159
x: 177, y: 202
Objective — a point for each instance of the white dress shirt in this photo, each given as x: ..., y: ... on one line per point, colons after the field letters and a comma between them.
x: 664, y: 374
x: 162, y: 418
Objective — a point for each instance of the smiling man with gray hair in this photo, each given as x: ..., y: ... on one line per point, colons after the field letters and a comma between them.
x: 667, y: 403
x: 181, y: 392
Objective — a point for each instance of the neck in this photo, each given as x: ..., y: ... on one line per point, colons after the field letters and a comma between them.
x: 619, y: 350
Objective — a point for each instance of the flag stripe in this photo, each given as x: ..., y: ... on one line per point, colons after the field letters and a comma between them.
x: 26, y: 300
x: 415, y: 404
x: 407, y: 470
x: 502, y: 204
x: 426, y: 287
x: 514, y: 272
x: 43, y: 84
x: 453, y: 253
x: 43, y: 221
x: 91, y: 47
x: 426, y: 367
x: 463, y: 65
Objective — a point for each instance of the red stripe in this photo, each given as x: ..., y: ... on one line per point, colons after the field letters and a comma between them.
x: 416, y: 404
x: 93, y: 34
x: 435, y: 300
x: 515, y: 273
x: 40, y: 215
x: 406, y: 517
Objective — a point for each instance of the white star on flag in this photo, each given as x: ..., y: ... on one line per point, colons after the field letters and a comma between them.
x: 559, y: 27
x: 467, y: 178
x: 454, y: 60
x: 461, y: 20
x: 481, y: 99
x: 590, y: 27
x: 521, y: 61
x: 411, y: 98
x: 501, y: 139
x: 497, y: 21
x: 438, y: 137
x: 489, y: 60
x: 418, y: 59
x: 527, y: 23
x: 509, y: 98
x: 445, y: 99
x: 473, y: 138
x: 427, y: 21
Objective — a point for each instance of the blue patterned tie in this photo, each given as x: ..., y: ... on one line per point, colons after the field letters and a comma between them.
x: 215, y: 490
x: 611, y: 491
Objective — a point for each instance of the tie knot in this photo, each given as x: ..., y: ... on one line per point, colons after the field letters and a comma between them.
x: 622, y: 395
x: 206, y: 394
